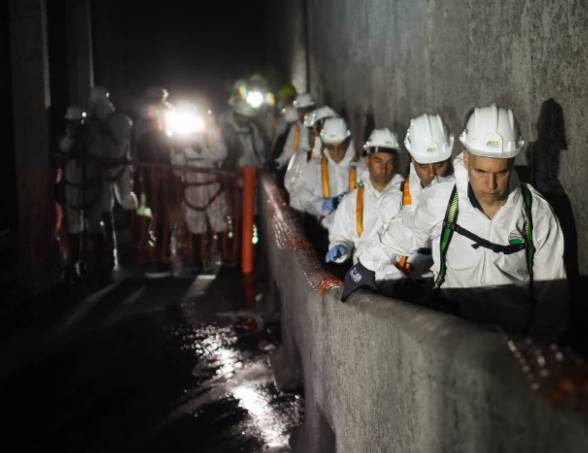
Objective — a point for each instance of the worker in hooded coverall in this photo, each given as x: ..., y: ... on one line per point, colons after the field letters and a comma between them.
x: 83, y: 198
x: 243, y: 138
x: 204, y: 201
x: 376, y: 199
x: 311, y: 149
x: 297, y: 134
x: 497, y: 245
x: 111, y: 134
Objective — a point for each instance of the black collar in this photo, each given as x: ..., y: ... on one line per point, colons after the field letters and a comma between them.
x: 473, y: 200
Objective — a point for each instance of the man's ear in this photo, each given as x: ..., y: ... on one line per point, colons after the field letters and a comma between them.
x: 466, y: 158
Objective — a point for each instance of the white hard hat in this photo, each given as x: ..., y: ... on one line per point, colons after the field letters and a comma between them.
x: 334, y: 131
x: 74, y: 113
x: 259, y: 81
x: 242, y: 107
x: 290, y: 114
x: 99, y: 93
x: 322, y: 113
x: 492, y: 132
x: 381, y: 140
x: 428, y: 140
x: 303, y: 100
x: 121, y: 126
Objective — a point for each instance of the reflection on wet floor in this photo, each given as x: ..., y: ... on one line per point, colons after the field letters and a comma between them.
x: 155, y: 366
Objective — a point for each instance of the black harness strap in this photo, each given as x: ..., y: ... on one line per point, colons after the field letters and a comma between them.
x: 481, y: 242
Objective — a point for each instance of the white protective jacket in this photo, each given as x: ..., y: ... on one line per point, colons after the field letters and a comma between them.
x: 246, y: 141
x: 84, y: 188
x: 309, y: 193
x: 204, y: 200
x: 295, y: 170
x: 295, y: 143
x: 378, y: 208
x: 420, y: 263
x: 485, y: 283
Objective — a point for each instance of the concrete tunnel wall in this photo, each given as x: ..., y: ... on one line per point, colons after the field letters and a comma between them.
x: 390, y: 60
x: 381, y: 375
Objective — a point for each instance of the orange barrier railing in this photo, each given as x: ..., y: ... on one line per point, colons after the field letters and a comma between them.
x: 186, y: 203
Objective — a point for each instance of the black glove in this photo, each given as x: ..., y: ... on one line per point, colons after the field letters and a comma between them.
x: 358, y: 277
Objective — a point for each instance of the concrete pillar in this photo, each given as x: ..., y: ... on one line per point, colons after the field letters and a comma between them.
x: 80, y: 64
x: 31, y: 103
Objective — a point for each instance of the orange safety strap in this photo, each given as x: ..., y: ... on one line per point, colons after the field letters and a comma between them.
x: 359, y: 211
x: 403, y: 263
x: 325, y: 177
x: 352, y: 177
x: 406, y: 196
x: 296, y: 145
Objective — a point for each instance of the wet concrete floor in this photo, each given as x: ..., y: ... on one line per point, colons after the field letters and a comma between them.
x: 164, y: 365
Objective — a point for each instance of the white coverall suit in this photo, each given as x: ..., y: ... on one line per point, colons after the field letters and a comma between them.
x: 117, y: 146
x: 310, y: 193
x: 247, y: 141
x: 295, y: 170
x: 205, y: 200
x: 487, y: 285
x: 420, y: 263
x: 295, y: 143
x: 83, y: 193
x: 378, y: 208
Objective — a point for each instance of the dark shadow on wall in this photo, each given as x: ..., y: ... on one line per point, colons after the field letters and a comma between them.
x: 369, y: 124
x: 544, y: 157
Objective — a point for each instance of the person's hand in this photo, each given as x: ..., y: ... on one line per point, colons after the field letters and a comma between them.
x: 337, y: 254
x: 330, y: 204
x: 358, y: 277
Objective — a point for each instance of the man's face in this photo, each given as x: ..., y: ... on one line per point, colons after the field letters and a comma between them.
x: 337, y: 150
x: 427, y: 172
x: 381, y: 167
x: 489, y: 177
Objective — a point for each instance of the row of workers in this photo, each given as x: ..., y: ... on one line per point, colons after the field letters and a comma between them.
x: 460, y: 230
x: 99, y: 148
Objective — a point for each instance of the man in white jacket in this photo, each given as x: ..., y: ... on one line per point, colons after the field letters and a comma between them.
x: 430, y: 145
x: 297, y: 134
x: 311, y: 149
x: 497, y: 246
x: 374, y: 202
x: 327, y: 180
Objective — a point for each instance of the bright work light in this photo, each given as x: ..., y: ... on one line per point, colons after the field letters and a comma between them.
x: 183, y: 121
x: 255, y: 99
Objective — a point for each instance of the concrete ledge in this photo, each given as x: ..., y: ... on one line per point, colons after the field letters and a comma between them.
x: 381, y: 375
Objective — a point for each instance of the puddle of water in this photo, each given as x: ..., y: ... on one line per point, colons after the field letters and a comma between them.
x: 232, y: 366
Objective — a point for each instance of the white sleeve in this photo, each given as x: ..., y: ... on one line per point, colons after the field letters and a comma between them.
x: 342, y: 229
x: 305, y: 194
x: 288, y: 149
x: 407, y: 232
x: 259, y: 143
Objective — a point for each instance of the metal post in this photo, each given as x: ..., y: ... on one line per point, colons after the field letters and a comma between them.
x: 248, y: 219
